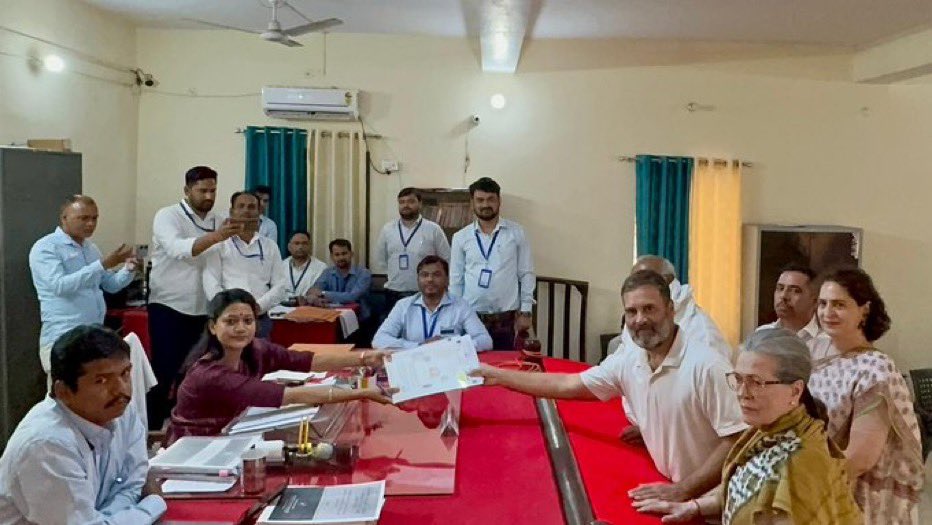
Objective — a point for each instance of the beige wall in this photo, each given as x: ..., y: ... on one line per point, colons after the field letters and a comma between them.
x: 100, y: 117
x: 818, y: 157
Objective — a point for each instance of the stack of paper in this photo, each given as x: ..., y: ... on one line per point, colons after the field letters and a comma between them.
x: 348, y: 321
x: 178, y: 486
x: 278, y: 311
x: 202, y: 458
x: 257, y: 419
x: 289, y: 376
x: 360, y: 503
x: 437, y: 367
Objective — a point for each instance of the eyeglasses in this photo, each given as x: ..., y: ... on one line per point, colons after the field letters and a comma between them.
x: 752, y: 384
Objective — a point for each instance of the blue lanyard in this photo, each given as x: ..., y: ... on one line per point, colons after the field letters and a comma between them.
x: 433, y: 325
x: 260, y: 255
x: 486, y: 254
x: 405, y: 243
x: 294, y: 285
x: 196, y: 225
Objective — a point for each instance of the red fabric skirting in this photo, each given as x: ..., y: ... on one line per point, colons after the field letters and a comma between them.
x: 609, y: 467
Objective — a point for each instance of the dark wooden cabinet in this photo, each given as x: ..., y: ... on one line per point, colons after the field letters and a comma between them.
x: 33, y: 185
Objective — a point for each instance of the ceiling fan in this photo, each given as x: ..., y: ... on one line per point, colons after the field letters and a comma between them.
x: 274, y: 32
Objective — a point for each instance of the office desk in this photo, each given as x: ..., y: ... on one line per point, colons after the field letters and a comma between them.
x: 284, y: 332
x: 502, y: 468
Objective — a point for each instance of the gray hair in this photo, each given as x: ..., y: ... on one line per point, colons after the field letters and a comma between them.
x: 666, y: 267
x: 794, y: 362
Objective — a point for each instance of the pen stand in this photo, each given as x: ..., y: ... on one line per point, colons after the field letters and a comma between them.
x: 322, y: 455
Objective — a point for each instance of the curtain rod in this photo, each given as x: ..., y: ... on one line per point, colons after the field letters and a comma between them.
x: 341, y: 134
x: 627, y: 158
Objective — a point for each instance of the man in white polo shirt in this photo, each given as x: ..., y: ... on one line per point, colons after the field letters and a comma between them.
x: 676, y: 388
x: 248, y: 260
x: 181, y: 234
x: 695, y: 324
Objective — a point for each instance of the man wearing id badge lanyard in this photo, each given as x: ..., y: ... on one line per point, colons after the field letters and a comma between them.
x: 301, y: 267
x: 432, y: 314
x: 491, y: 267
x: 404, y: 242
x: 249, y: 261
x: 181, y: 234
x: 70, y: 273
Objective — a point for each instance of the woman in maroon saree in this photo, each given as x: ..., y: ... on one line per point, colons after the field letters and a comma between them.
x: 222, y: 376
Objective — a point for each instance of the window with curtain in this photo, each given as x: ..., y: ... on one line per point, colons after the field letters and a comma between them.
x: 337, y: 190
x: 662, y: 209
x: 715, y: 243
x: 277, y: 157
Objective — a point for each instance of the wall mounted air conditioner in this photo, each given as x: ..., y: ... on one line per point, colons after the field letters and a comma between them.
x: 310, y: 103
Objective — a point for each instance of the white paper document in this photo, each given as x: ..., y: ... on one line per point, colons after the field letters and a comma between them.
x: 177, y: 486
x: 258, y: 419
x: 357, y: 503
x: 291, y: 375
x: 348, y: 321
x: 433, y: 368
x: 215, y: 456
x: 279, y: 311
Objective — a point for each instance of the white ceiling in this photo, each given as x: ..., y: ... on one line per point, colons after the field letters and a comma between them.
x: 831, y: 22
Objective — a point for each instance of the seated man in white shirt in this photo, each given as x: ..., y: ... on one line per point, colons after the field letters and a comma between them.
x: 676, y: 388
x: 431, y: 314
x: 302, y: 268
x: 249, y: 261
x: 794, y: 301
x: 687, y: 314
x: 79, y: 456
x: 692, y: 320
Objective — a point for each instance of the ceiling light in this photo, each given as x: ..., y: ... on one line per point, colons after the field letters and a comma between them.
x: 497, y: 101
x: 53, y: 63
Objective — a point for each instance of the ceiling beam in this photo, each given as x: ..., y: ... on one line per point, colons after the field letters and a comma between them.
x: 902, y: 59
x: 502, y: 26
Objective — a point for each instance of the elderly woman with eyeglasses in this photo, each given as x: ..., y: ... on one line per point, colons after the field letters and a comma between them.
x: 784, y: 469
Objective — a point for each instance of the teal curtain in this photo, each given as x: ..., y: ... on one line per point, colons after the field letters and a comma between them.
x: 277, y: 157
x: 662, y: 209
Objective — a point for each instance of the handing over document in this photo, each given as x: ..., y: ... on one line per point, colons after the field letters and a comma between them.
x: 433, y: 368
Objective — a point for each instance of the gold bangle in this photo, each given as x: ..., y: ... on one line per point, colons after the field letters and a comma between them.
x: 330, y: 395
x: 362, y: 358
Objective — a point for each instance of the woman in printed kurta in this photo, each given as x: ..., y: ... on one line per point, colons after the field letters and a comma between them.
x: 784, y: 469
x: 869, y: 406
x: 223, y: 374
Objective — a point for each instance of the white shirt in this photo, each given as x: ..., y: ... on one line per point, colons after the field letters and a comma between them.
x: 255, y: 266
x: 268, y: 228
x: 511, y: 283
x: 300, y: 279
x: 692, y: 320
x: 410, y: 323
x: 176, y: 274
x: 423, y: 238
x: 807, y: 333
x: 683, y: 408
